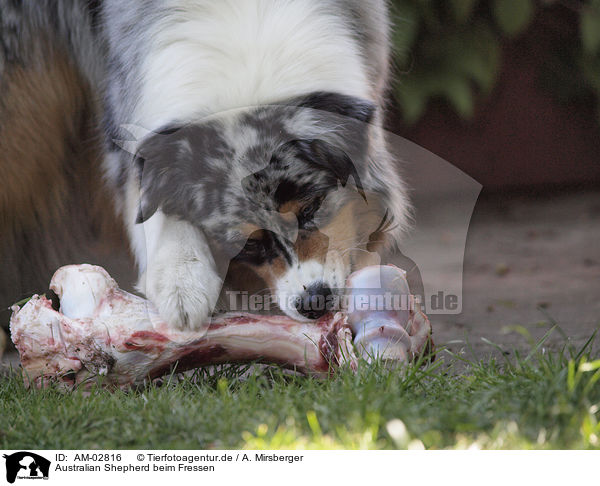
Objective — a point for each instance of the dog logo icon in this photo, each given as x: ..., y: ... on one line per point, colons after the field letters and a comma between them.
x: 26, y: 465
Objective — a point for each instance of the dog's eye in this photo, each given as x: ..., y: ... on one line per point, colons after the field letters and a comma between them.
x: 252, y: 248
x: 308, y: 212
x: 252, y: 244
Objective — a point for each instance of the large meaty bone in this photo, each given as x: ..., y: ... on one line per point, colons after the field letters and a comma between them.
x: 103, y: 330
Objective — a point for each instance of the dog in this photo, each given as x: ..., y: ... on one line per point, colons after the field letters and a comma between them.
x: 262, y: 162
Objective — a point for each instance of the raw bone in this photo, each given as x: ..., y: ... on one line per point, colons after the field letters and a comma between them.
x: 398, y: 332
x: 103, y: 330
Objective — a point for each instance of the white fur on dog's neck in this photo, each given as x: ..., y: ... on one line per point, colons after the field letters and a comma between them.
x: 209, y: 56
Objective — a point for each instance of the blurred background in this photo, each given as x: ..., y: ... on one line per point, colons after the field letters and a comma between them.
x: 506, y: 90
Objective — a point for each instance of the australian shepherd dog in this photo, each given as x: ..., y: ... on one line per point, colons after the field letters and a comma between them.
x: 238, y: 142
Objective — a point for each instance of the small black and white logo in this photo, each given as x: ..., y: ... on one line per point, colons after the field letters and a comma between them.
x: 26, y: 465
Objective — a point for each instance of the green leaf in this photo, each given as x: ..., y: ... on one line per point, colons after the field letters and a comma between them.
x: 477, y: 56
x: 412, y: 99
x: 513, y: 16
x: 462, y: 9
x: 459, y: 93
x: 590, y: 29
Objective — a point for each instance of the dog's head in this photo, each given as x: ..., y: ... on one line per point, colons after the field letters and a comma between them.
x: 289, y: 196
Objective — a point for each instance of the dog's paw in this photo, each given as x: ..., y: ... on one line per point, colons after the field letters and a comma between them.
x: 185, y: 294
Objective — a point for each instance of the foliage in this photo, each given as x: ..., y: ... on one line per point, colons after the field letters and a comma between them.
x: 451, y: 50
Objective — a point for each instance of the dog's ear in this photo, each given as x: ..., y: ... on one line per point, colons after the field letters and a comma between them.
x: 348, y: 106
x: 343, y: 142
x: 155, y: 164
x: 148, y: 202
x: 326, y: 156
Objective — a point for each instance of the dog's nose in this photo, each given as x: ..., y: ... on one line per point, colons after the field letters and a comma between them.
x: 313, y: 302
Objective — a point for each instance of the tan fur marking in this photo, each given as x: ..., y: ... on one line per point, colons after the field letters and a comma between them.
x: 255, y: 278
x: 292, y: 206
x: 251, y: 230
x: 311, y: 245
x: 348, y: 233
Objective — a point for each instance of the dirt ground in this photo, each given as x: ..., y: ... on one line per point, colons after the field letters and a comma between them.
x: 529, y: 261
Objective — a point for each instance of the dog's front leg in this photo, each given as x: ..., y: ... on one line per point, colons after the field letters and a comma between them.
x: 179, y: 275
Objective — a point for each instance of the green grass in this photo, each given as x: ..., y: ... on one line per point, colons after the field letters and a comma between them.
x: 542, y: 400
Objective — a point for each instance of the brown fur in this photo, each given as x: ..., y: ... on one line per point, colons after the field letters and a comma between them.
x: 352, y: 232
x: 253, y: 278
x: 53, y: 206
x: 251, y: 230
x: 312, y: 245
